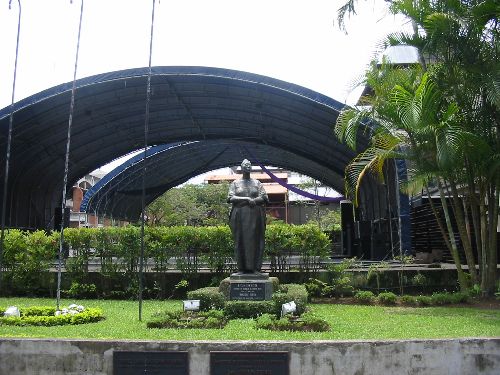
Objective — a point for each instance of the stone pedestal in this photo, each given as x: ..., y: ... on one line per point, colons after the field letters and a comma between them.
x: 248, y: 287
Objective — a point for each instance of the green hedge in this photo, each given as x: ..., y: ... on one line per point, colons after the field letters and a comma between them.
x: 365, y: 296
x: 116, y: 250
x: 25, y: 258
x: 179, y: 319
x: 446, y: 298
x: 308, y: 241
x: 210, y: 298
x: 308, y: 322
x: 248, y: 309
x: 387, y: 298
x: 44, y: 316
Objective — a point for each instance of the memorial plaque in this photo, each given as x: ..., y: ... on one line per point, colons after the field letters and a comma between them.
x: 249, y: 363
x: 248, y: 291
x: 155, y: 363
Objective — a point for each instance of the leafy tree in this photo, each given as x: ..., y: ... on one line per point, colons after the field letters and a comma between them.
x: 329, y: 220
x: 443, y: 117
x: 326, y: 218
x: 213, y: 198
x: 196, y: 205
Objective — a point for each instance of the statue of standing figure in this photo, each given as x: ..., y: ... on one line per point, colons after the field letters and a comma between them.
x: 248, y: 220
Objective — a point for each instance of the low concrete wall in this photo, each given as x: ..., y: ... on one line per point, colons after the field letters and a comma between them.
x: 429, y: 357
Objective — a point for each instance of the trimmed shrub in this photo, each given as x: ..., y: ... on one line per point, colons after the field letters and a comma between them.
x: 248, y: 309
x: 291, y: 292
x: 278, y: 247
x: 423, y: 300
x: 37, y: 311
x: 180, y: 319
x: 311, y: 244
x: 318, y: 288
x: 387, y: 298
x: 33, y: 311
x: 460, y: 297
x: 365, y: 296
x: 314, y: 323
x: 339, y: 281
x: 89, y: 315
x: 251, y: 309
x: 340, y: 278
x: 27, y: 255
x: 210, y: 298
x: 408, y: 300
x: 83, y: 242
x: 265, y: 321
x: 78, y: 290
x: 218, y: 250
x: 308, y: 322
x: 440, y: 298
x: 446, y: 298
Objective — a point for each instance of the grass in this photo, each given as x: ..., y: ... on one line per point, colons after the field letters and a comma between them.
x: 348, y: 322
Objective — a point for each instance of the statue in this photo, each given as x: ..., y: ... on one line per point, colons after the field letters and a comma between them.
x: 248, y: 220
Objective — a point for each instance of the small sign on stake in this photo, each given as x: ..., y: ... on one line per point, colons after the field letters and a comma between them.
x: 191, y: 305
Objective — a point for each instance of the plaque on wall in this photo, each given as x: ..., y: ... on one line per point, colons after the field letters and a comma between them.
x: 249, y: 363
x: 154, y: 363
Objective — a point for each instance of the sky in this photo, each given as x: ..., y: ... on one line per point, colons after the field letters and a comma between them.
x: 295, y: 41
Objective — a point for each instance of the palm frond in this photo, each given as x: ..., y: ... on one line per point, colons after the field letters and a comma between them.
x: 347, y: 125
x: 416, y: 183
x: 486, y: 11
x: 492, y: 88
x: 449, y: 144
x: 370, y: 161
x: 408, y: 108
x: 405, y: 39
x: 430, y: 98
x: 349, y: 8
x: 441, y: 23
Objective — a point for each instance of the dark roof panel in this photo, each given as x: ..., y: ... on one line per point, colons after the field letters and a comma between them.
x: 187, y: 104
x: 118, y: 193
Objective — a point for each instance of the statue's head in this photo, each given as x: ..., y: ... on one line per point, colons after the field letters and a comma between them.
x: 246, y: 166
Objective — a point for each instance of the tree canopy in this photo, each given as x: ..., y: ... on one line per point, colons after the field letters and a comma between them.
x: 195, y: 205
x: 442, y: 116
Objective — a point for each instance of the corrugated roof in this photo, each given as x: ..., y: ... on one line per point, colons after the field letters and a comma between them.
x: 289, y: 125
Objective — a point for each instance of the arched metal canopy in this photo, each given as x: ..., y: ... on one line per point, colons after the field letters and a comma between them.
x: 187, y: 104
x: 119, y: 192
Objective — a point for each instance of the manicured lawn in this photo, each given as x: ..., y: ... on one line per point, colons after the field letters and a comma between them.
x: 349, y: 322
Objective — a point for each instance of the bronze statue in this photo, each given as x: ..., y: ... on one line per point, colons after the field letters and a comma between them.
x: 248, y: 220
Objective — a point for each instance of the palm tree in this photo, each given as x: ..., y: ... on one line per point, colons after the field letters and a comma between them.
x: 410, y: 121
x: 458, y: 47
x: 462, y: 38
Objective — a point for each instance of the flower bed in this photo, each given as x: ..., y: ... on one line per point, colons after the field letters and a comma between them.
x: 180, y: 319
x: 48, y: 316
